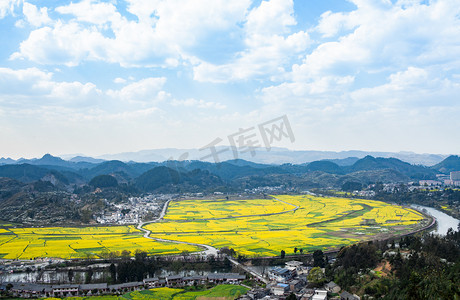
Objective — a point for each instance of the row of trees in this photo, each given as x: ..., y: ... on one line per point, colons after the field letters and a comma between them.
x: 127, y: 269
x: 318, y: 257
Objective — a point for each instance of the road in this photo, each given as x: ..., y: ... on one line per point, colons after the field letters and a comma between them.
x: 247, y: 270
x: 209, y: 249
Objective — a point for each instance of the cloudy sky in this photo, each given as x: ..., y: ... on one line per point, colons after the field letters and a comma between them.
x: 98, y: 77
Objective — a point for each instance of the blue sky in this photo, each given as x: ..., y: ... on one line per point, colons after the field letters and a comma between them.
x: 97, y: 77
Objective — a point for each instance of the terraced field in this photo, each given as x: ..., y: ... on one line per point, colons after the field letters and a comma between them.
x: 305, y: 222
x: 65, y: 242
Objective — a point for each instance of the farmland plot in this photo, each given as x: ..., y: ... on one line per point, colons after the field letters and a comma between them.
x: 316, y: 223
x: 67, y: 242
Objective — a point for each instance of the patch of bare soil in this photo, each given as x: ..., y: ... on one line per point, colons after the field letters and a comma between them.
x: 384, y: 267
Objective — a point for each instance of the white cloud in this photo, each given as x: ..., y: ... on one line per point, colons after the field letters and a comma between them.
x: 119, y: 80
x: 271, y: 17
x: 164, y: 32
x: 145, y: 90
x: 76, y: 91
x: 91, y: 12
x: 24, y: 81
x: 197, y: 103
x: 36, y: 17
x: 185, y: 22
x: 386, y: 73
x: 414, y: 88
x: 385, y: 36
x: 411, y: 47
x: 269, y: 46
x: 353, y: 79
x: 64, y: 43
x: 34, y: 85
x: 410, y: 77
x: 7, y: 7
x: 331, y: 24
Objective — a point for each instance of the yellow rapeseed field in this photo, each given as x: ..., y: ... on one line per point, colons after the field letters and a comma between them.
x: 221, y: 208
x: 65, y: 242
x: 318, y: 223
x: 256, y: 227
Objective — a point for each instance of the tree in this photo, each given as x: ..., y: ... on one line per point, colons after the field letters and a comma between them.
x: 295, y: 250
x: 301, y: 250
x: 140, y: 255
x: 103, y: 181
x: 104, y: 253
x: 351, y: 186
x: 113, y: 272
x: 185, y: 254
x: 86, y: 215
x: 283, y: 253
x: 291, y: 297
x: 113, y: 255
x: 125, y: 254
x: 228, y: 251
x: 88, y: 275
x: 70, y: 275
x: 318, y: 259
x: 316, y: 276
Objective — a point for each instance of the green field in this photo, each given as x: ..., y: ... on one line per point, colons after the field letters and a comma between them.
x: 222, y: 292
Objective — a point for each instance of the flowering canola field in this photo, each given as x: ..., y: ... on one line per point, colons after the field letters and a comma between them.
x: 264, y: 227
x: 65, y: 242
x: 215, y: 209
x: 255, y: 227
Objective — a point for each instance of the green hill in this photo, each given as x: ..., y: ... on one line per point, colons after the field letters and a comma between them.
x: 450, y: 164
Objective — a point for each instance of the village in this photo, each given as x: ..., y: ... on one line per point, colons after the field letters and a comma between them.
x: 293, y: 278
x: 133, y: 211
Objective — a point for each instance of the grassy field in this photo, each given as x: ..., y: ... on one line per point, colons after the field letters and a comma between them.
x: 221, y: 292
x: 319, y: 223
x: 66, y: 242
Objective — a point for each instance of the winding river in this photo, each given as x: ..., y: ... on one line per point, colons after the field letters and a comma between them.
x: 443, y: 220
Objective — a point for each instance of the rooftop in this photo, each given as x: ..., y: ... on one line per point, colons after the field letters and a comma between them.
x: 294, y: 263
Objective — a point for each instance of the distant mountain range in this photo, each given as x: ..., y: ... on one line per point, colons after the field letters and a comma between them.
x: 236, y: 173
x: 260, y: 155
x: 41, y: 190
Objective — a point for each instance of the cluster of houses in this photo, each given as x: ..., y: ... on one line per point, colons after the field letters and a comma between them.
x: 31, y: 290
x: 292, y: 278
x: 131, y: 212
x: 441, y: 180
x: 448, y: 180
